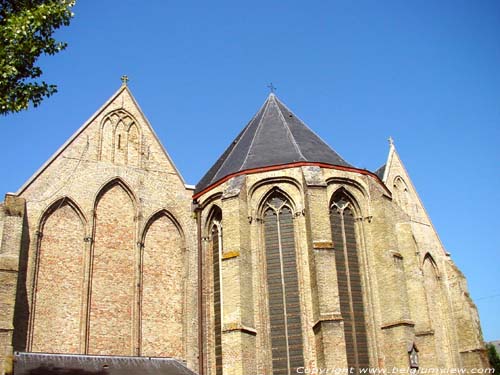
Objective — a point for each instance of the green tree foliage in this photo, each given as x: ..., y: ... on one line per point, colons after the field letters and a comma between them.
x: 26, y: 28
x: 494, y: 358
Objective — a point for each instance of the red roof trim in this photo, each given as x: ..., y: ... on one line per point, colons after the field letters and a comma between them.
x: 287, y: 166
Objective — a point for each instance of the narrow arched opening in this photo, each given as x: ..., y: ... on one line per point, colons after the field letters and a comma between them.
x: 342, y: 220
x: 215, y: 260
x: 283, y: 301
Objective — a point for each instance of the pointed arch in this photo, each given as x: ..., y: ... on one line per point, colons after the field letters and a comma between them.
x: 120, y: 138
x: 107, y: 132
x: 57, y: 301
x: 400, y: 183
x: 133, y: 145
x: 352, y: 184
x: 343, y: 208
x: 111, y: 324
x: 436, y: 303
x: 110, y: 184
x: 209, y: 200
x: 276, y: 191
x: 401, y: 193
x: 347, y: 196
x: 282, y: 281
x: 158, y: 214
x: 274, y: 180
x: 214, y: 214
x: 213, y: 228
x: 65, y: 200
x: 429, y: 259
x: 164, y: 272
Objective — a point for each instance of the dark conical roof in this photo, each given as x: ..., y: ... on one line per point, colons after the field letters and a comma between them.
x: 274, y: 136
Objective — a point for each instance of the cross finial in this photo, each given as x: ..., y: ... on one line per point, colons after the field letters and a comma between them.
x: 271, y: 88
x: 391, y: 141
x: 124, y: 79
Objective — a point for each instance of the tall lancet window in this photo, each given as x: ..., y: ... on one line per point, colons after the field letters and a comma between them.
x: 216, y: 260
x: 349, y: 281
x: 283, y: 288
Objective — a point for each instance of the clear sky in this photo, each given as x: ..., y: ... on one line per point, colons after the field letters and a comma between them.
x: 425, y: 72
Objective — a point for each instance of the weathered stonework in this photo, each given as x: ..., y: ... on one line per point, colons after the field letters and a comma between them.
x: 404, y: 304
x: 99, y: 255
x: 96, y: 255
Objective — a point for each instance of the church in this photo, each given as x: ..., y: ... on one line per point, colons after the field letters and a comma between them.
x: 283, y: 259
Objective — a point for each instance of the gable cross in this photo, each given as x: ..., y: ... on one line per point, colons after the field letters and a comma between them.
x: 271, y: 88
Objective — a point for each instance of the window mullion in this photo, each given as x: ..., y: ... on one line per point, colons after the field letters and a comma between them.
x: 283, y: 288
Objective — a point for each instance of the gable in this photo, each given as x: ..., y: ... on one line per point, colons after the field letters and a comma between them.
x: 117, y: 134
x: 404, y: 195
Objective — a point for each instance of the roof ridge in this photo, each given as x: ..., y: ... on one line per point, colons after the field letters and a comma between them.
x: 287, y: 127
x: 275, y: 136
x: 265, y: 108
x: 235, y: 143
x: 310, y: 129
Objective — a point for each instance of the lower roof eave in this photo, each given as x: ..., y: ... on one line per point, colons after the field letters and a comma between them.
x: 26, y: 363
x: 287, y: 166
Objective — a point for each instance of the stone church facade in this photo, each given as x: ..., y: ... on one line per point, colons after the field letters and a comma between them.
x: 284, y: 257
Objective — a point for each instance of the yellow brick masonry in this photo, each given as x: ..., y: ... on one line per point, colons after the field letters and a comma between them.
x: 391, y: 253
x: 84, y: 244
x: 99, y: 255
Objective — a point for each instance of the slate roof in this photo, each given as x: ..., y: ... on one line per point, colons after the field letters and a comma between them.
x: 274, y: 136
x: 59, y: 364
x: 380, y: 172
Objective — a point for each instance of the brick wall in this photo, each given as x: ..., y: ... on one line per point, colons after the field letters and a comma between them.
x: 84, y: 293
x: 404, y: 304
x: 112, y: 298
x: 163, y: 291
x: 59, y: 289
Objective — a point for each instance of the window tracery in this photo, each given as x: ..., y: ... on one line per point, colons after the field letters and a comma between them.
x: 215, y: 229
x: 342, y: 222
x: 120, y: 139
x: 283, y: 288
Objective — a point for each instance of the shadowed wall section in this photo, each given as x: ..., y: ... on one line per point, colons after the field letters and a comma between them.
x: 215, y: 229
x: 435, y: 301
x: 58, y: 305
x: 163, y: 290
x: 113, y: 274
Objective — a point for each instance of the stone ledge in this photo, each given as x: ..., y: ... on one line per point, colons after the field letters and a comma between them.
x: 399, y: 323
x: 428, y: 332
x: 9, y: 263
x: 475, y: 350
x: 328, y: 318
x: 237, y: 327
x: 230, y: 254
x: 322, y: 245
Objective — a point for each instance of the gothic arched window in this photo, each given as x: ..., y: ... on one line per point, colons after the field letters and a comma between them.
x: 349, y: 281
x: 120, y: 139
x: 436, y: 303
x: 401, y: 194
x: 283, y: 289
x: 215, y: 229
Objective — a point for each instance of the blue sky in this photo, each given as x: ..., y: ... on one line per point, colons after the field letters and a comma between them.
x: 426, y: 73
